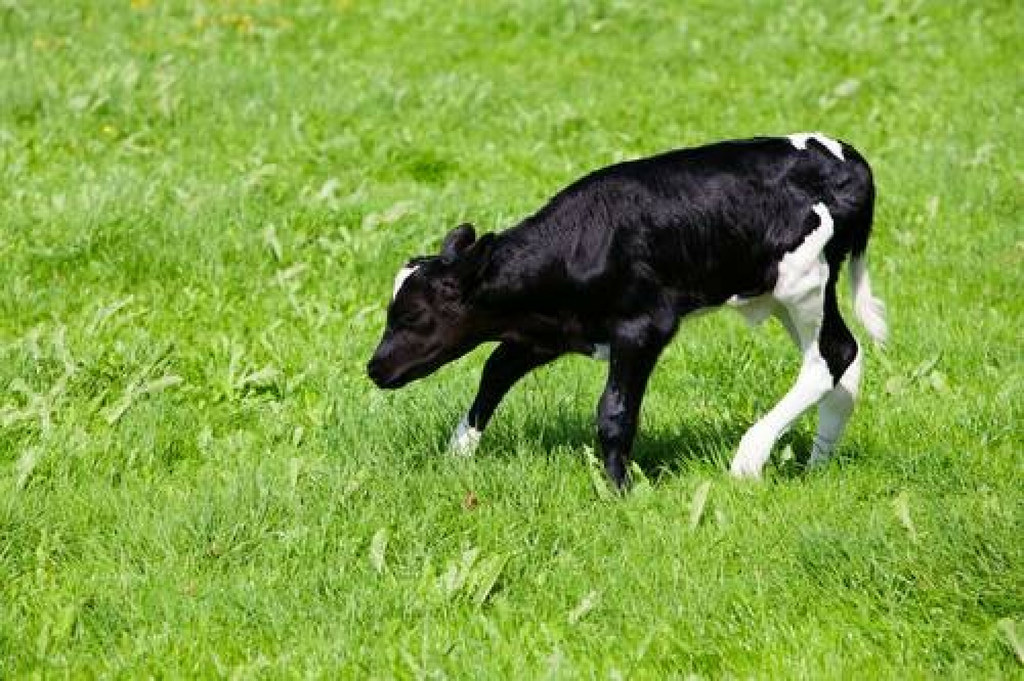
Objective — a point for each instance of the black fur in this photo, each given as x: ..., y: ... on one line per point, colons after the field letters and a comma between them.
x: 617, y: 258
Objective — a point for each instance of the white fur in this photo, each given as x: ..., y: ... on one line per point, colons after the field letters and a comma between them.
x: 799, y: 140
x: 869, y: 310
x: 465, y: 439
x: 400, y: 278
x: 803, y: 273
x: 755, y: 310
x: 835, y: 410
x: 813, y: 383
x: 800, y: 293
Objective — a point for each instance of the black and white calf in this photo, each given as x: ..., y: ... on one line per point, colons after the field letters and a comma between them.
x: 612, y: 263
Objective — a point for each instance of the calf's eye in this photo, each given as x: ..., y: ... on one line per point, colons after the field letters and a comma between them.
x: 413, y: 319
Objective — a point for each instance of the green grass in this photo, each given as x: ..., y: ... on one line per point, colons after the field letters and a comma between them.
x: 202, y: 206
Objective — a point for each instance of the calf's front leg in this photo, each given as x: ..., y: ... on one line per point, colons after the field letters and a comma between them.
x: 618, y: 412
x: 507, y: 364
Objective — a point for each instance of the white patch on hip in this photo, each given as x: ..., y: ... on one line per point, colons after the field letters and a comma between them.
x: 400, y: 278
x: 803, y: 272
x: 602, y: 352
x: 799, y: 140
x: 465, y: 439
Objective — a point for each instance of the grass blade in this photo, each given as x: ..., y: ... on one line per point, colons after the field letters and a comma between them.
x: 26, y: 465
x: 641, y: 484
x: 586, y: 604
x: 598, y: 478
x: 378, y: 550
x: 901, y: 507
x: 486, y: 576
x: 1008, y: 628
x: 700, y: 499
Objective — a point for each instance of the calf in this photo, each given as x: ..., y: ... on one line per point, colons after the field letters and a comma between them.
x: 613, y: 262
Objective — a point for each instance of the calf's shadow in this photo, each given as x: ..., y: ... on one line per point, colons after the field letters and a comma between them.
x: 658, y: 451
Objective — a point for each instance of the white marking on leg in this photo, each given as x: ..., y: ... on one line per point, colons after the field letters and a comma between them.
x: 835, y: 409
x: 799, y: 140
x: 800, y: 289
x: 602, y: 352
x: 465, y: 439
x: 813, y: 382
x: 400, y: 278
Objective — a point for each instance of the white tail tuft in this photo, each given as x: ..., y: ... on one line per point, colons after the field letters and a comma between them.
x: 869, y: 310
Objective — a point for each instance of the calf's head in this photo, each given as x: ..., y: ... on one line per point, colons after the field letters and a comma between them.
x: 431, y: 319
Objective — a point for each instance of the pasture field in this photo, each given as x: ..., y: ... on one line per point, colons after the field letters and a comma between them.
x: 202, y: 206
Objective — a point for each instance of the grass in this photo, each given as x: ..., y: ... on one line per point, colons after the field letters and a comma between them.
x: 203, y: 205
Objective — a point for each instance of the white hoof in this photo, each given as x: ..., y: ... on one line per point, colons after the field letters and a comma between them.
x: 744, y: 468
x: 820, y: 452
x: 464, y: 440
x: 752, y: 455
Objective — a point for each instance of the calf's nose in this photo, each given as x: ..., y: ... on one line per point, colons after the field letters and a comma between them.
x: 373, y: 370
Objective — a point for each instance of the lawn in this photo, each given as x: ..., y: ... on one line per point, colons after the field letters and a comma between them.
x: 202, y: 207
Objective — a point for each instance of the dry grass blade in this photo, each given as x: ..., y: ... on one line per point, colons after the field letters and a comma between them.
x: 583, y: 608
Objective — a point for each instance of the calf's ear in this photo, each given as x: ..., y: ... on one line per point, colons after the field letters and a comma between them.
x: 475, y: 259
x: 457, y: 241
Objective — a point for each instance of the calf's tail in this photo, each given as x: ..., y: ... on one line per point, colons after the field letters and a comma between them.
x: 869, y: 309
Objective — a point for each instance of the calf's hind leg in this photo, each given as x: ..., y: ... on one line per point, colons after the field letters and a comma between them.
x: 845, y: 360
x: 803, y: 277
x: 812, y: 384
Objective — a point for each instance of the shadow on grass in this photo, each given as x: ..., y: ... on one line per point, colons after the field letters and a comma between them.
x: 662, y: 451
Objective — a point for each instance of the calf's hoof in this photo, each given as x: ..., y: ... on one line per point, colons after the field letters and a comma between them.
x: 464, y: 440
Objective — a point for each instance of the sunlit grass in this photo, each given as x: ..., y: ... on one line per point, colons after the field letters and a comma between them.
x: 203, y: 205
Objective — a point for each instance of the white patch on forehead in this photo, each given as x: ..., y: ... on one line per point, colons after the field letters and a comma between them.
x: 400, y: 278
x: 799, y: 140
